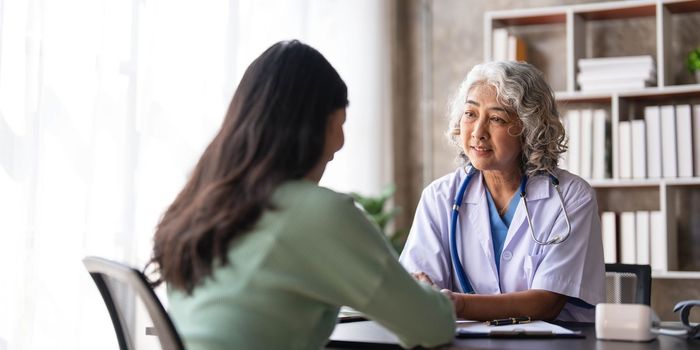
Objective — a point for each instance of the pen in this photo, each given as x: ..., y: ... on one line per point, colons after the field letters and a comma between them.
x: 507, y: 321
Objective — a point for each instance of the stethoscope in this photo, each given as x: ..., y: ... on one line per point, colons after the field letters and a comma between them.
x: 556, y: 239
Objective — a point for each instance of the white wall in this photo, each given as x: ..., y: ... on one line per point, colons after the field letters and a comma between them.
x: 354, y: 36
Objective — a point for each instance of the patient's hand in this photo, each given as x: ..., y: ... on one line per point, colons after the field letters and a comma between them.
x: 456, y: 298
x: 423, y: 277
x: 450, y: 294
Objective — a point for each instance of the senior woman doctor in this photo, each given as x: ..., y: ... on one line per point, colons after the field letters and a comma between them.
x: 540, y: 256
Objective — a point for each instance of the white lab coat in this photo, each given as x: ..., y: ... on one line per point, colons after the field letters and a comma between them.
x: 574, y: 268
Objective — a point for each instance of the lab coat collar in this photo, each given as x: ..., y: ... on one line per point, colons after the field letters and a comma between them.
x: 476, y: 191
x: 539, y: 187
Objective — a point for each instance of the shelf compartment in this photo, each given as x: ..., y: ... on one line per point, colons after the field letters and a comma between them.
x: 632, y: 104
x: 683, y: 206
x: 667, y: 291
x: 619, y: 199
x: 615, y: 37
x: 544, y: 33
x: 679, y: 40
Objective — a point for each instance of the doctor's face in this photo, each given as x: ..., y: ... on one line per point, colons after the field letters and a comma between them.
x: 490, y: 136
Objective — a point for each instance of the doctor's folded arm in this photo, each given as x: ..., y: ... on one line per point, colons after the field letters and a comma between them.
x: 508, y: 233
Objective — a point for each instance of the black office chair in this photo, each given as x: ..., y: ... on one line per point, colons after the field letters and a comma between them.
x: 120, y: 286
x: 626, y: 283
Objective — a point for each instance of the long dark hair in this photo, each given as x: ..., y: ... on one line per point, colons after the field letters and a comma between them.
x: 274, y: 131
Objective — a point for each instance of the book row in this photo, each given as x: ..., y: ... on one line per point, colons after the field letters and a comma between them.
x: 635, y: 237
x: 664, y: 143
x: 588, y: 154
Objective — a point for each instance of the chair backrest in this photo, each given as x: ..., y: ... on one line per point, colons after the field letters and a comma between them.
x: 626, y: 283
x: 120, y: 285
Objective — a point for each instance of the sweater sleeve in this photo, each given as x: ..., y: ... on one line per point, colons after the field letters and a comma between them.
x: 416, y: 313
x: 352, y: 263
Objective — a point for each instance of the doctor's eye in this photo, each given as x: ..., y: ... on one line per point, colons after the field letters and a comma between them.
x: 468, y: 115
x: 498, y: 120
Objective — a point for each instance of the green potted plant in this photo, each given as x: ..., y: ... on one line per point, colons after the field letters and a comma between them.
x: 693, y: 63
x: 378, y: 212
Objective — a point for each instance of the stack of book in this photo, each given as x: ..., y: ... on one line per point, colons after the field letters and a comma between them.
x: 637, y: 237
x: 664, y: 143
x: 616, y: 73
x: 590, y: 146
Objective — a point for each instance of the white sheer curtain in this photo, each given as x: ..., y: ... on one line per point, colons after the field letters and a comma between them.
x: 105, y: 106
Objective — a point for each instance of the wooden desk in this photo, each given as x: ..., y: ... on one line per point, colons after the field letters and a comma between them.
x: 353, y: 335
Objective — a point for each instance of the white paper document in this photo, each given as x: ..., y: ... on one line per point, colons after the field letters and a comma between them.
x: 371, y: 332
x: 363, y: 332
x: 531, y: 327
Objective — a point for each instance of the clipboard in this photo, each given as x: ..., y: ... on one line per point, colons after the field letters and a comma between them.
x: 534, y: 330
x: 463, y: 334
x: 372, y: 335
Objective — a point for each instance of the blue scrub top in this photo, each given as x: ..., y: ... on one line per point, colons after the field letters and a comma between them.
x: 500, y: 225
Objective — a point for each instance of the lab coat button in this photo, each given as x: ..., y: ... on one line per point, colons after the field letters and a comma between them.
x: 507, y: 255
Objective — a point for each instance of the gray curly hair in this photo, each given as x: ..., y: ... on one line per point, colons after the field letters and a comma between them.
x: 523, y: 91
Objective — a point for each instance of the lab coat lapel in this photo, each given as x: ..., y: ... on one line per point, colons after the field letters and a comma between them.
x: 538, y: 188
x: 478, y: 214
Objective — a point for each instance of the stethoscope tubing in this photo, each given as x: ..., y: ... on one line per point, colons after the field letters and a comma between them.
x: 454, y: 253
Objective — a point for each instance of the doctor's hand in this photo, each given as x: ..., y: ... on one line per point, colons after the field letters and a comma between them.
x: 423, y: 277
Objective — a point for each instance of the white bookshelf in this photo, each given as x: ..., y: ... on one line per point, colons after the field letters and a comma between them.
x: 574, y: 19
x: 568, y: 27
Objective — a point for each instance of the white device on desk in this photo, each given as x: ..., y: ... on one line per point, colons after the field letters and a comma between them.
x: 631, y: 322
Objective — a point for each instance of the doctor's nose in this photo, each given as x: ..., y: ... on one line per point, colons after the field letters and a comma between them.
x: 480, y: 131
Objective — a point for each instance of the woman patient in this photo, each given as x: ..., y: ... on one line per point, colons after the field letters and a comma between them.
x: 255, y: 254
